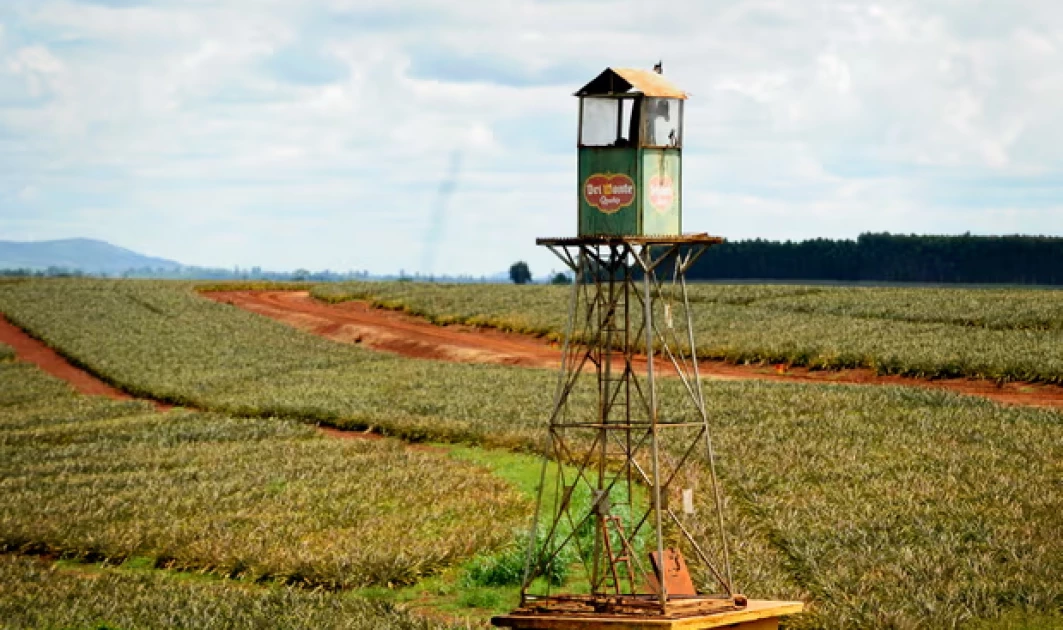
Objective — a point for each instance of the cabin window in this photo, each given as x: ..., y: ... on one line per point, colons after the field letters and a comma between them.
x: 609, y: 122
x: 662, y: 122
x: 599, y: 122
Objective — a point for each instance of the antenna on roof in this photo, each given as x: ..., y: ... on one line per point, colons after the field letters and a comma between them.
x: 659, y: 67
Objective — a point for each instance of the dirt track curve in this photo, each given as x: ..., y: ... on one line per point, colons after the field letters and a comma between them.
x: 33, y: 351
x: 406, y: 335
x: 36, y: 352
x: 395, y: 332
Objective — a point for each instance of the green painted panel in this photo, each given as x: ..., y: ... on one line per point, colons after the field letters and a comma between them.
x: 660, y: 187
x: 609, y: 197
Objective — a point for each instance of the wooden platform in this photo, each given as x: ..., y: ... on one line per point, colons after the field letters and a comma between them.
x: 757, y: 615
x: 662, y: 239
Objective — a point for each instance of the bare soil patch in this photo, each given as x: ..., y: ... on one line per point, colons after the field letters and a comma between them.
x: 410, y: 336
x: 341, y: 434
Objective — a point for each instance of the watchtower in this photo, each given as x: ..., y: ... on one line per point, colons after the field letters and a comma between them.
x: 630, y: 155
x: 632, y: 492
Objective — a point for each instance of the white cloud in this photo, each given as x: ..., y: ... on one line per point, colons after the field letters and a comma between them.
x: 834, y: 73
x: 38, y: 67
x: 28, y: 193
x: 316, y: 134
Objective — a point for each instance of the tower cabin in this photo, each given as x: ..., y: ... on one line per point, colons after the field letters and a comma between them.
x: 630, y: 154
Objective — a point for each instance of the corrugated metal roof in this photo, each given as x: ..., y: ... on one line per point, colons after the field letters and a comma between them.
x: 649, y: 83
x: 620, y: 80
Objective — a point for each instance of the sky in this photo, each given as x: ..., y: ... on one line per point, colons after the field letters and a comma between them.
x: 439, y: 136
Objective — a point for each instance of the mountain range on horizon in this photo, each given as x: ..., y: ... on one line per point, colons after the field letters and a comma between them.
x: 84, y: 254
x: 98, y: 258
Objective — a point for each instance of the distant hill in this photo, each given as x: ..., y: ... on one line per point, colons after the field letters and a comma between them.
x: 87, y: 255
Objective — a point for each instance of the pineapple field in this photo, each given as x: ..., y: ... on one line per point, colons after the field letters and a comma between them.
x: 880, y: 506
x: 997, y: 334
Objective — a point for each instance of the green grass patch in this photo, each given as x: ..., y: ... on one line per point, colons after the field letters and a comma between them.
x: 448, y: 595
x: 522, y: 470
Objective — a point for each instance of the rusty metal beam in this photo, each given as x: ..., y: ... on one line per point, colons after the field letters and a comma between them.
x: 619, y: 283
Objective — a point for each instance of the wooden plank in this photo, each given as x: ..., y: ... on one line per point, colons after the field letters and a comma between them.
x: 757, y: 615
x: 673, y: 239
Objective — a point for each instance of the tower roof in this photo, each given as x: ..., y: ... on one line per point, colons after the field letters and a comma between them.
x: 631, y: 80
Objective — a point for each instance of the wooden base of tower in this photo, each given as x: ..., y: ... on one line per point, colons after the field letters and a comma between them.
x: 756, y: 615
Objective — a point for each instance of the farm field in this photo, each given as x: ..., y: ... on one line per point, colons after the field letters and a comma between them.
x: 100, y: 480
x: 997, y: 334
x: 882, y: 507
x: 48, y: 360
x: 40, y: 594
x: 412, y: 336
x: 163, y: 341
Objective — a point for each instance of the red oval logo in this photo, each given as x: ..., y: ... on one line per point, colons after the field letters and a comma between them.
x: 609, y: 192
x: 662, y: 193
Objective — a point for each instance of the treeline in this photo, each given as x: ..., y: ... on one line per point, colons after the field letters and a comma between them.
x: 890, y: 258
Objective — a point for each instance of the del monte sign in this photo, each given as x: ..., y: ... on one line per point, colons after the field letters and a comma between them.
x: 609, y: 192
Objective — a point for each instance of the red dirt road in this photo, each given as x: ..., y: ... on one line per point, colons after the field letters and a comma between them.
x: 36, y: 352
x: 33, y: 351
x: 406, y: 335
x: 30, y: 350
x: 391, y: 331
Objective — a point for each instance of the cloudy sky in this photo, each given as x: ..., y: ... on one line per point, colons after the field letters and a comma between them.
x: 439, y: 135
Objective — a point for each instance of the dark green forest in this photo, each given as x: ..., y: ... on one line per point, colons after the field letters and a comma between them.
x: 890, y: 258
